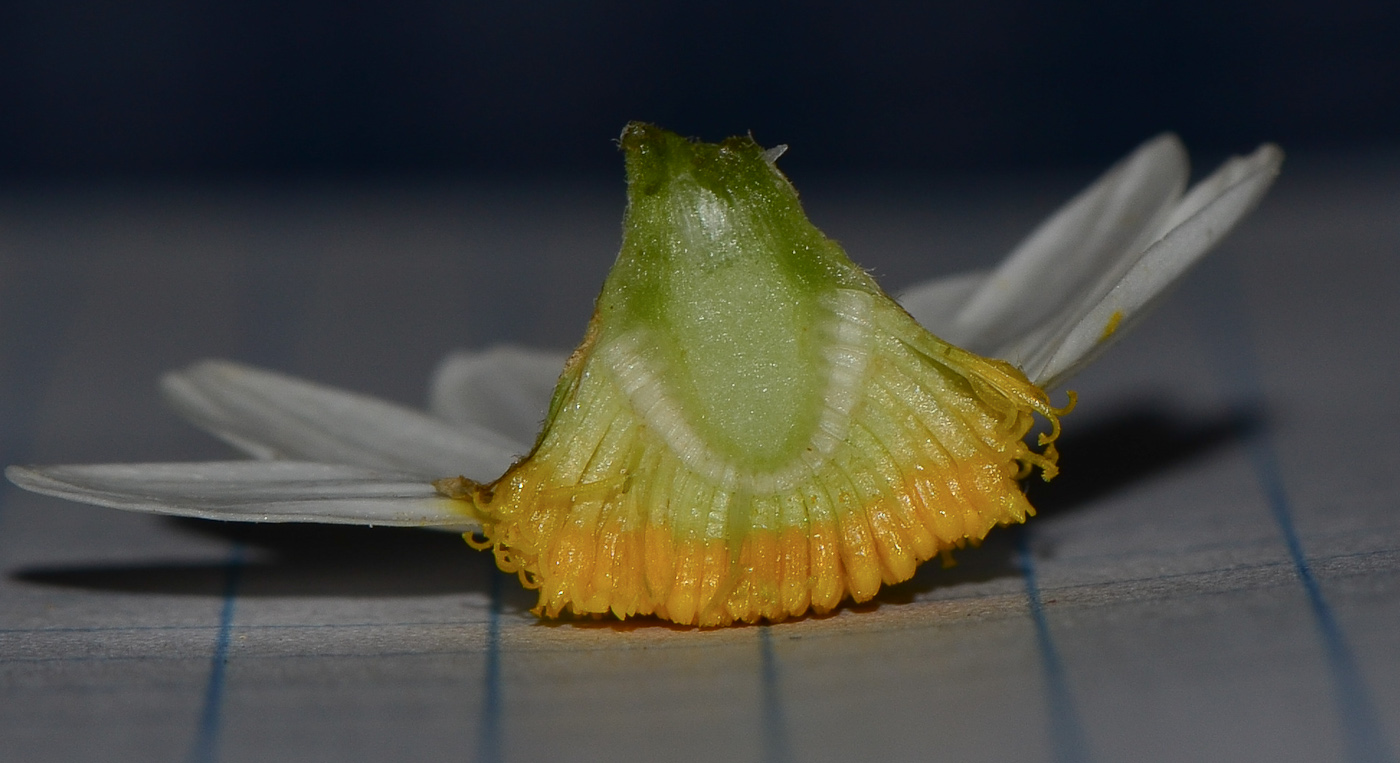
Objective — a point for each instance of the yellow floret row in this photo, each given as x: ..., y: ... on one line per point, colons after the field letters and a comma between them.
x: 602, y: 518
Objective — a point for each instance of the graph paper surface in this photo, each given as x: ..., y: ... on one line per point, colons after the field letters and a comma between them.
x: 1215, y: 575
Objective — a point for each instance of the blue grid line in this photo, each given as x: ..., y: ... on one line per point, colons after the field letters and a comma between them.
x: 1227, y: 335
x: 1360, y: 722
x: 254, y: 627
x: 246, y: 626
x: 775, y: 737
x: 489, y: 725
x: 273, y: 306
x: 206, y: 743
x: 265, y: 657
x: 1062, y: 591
x: 1068, y: 740
x: 35, y: 312
x: 1116, y: 582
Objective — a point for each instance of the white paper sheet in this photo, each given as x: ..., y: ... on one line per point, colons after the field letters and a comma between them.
x: 1215, y: 576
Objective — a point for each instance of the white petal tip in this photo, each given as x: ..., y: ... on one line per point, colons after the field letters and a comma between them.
x: 1202, y: 219
x: 252, y: 491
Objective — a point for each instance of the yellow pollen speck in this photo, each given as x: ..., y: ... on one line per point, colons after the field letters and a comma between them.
x: 1112, y: 326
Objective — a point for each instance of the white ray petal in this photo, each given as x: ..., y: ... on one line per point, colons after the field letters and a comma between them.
x: 269, y: 415
x: 252, y: 491
x: 505, y: 388
x: 1208, y: 213
x: 1085, y: 247
x: 935, y: 303
x: 1232, y: 171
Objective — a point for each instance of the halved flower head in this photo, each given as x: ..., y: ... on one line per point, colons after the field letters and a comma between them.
x: 751, y: 429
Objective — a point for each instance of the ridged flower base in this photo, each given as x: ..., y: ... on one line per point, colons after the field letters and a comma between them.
x: 606, y: 516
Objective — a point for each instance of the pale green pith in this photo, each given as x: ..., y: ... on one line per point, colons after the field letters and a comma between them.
x: 743, y: 361
x: 719, y: 287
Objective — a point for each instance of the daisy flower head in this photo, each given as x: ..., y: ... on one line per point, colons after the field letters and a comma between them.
x: 751, y: 429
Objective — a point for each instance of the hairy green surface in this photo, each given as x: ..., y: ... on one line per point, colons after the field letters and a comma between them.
x: 722, y: 274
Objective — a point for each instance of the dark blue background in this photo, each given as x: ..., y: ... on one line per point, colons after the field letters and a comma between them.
x: 201, y: 89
